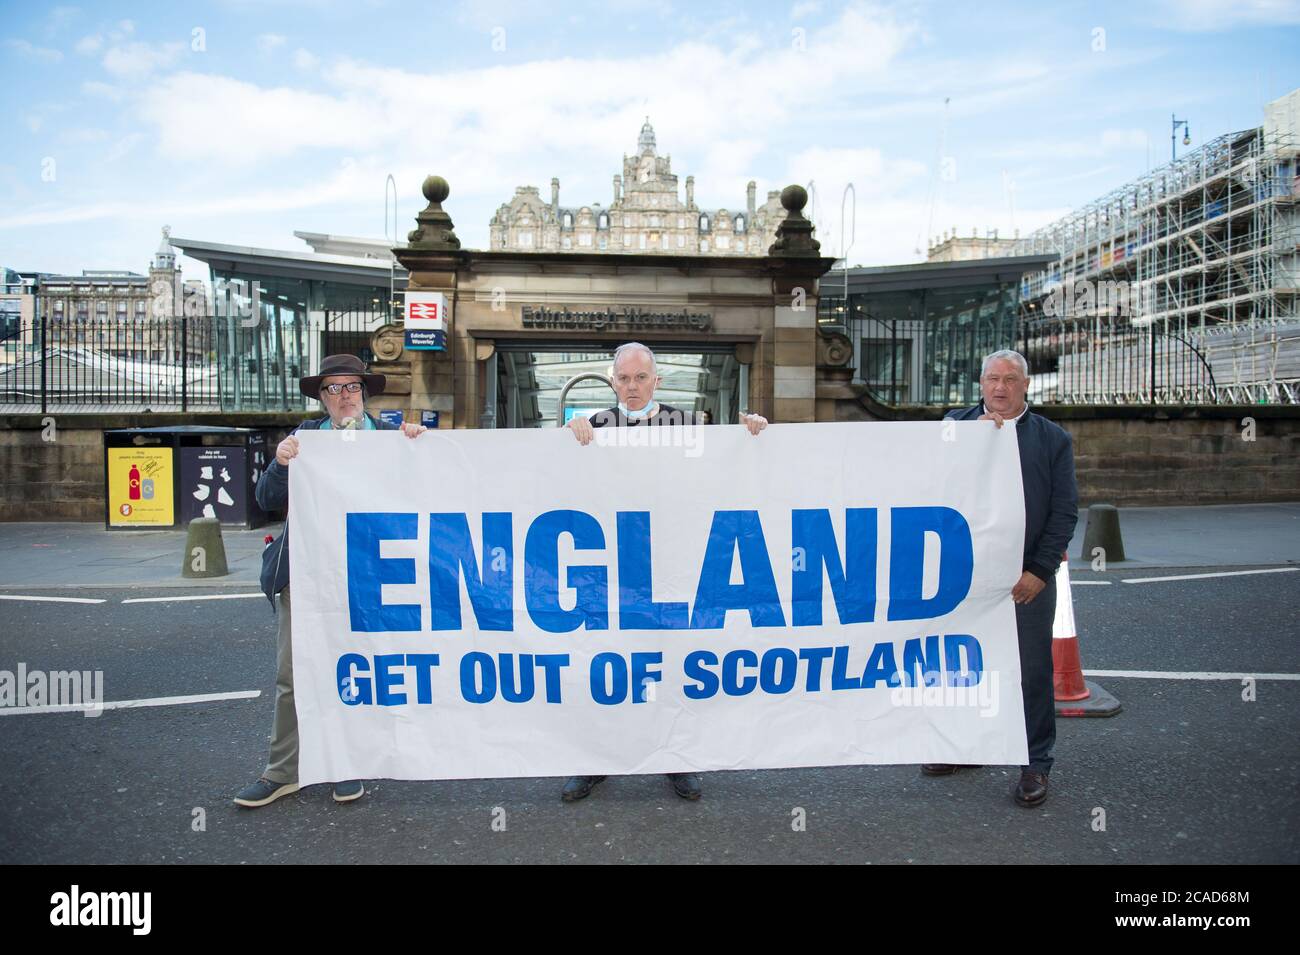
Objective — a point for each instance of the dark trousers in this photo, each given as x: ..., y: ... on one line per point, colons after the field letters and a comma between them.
x: 1034, y: 629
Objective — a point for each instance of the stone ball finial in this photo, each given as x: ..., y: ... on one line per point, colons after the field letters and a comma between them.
x: 435, y: 189
x: 794, y: 198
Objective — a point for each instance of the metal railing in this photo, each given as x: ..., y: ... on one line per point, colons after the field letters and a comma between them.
x: 177, y: 363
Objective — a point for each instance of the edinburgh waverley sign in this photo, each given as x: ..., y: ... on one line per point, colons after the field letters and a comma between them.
x: 613, y: 319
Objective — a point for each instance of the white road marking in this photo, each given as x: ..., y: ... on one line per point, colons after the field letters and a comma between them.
x: 1090, y: 583
x: 1226, y: 573
x: 1190, y: 675
x: 159, y: 600
x: 52, y: 600
x: 132, y: 704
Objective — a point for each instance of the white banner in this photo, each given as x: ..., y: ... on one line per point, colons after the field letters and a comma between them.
x: 509, y: 603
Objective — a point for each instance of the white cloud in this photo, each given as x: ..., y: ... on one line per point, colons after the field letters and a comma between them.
x: 504, y: 118
x: 349, y: 180
x: 303, y: 60
x: 138, y: 60
x: 256, y: 123
x: 33, y: 52
x: 805, y: 8
x: 127, y: 27
x: 1214, y: 15
x: 102, y: 90
x: 84, y: 136
x: 60, y: 17
x: 1104, y: 142
x: 269, y: 42
x: 88, y: 45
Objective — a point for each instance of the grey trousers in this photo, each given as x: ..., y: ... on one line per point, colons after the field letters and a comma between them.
x: 282, y: 765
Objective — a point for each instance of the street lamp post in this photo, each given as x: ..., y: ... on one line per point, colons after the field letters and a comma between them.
x: 1175, y: 122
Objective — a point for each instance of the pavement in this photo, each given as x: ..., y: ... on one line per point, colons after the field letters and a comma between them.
x: 59, y: 556
x: 1202, y: 765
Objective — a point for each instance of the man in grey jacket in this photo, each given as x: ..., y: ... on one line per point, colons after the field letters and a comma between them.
x: 1051, y: 510
x: 342, y: 386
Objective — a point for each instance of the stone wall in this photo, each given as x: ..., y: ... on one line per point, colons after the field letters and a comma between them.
x: 1127, y: 456
x: 1146, y: 455
x: 52, y: 466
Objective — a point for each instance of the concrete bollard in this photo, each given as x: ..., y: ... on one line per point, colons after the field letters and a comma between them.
x: 1103, y: 531
x: 205, y: 554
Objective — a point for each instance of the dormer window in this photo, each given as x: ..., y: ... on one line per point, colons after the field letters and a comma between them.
x: 568, y: 221
x: 740, y: 223
x: 602, y: 222
x: 704, y: 223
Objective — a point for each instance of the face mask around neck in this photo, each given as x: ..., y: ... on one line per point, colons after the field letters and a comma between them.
x: 645, y: 412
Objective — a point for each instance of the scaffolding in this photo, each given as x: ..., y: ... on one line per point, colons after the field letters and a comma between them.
x: 1177, y: 287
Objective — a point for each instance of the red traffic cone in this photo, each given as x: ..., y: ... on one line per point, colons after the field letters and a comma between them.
x: 1075, y: 696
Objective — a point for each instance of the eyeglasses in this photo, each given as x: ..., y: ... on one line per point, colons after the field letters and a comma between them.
x: 352, y: 387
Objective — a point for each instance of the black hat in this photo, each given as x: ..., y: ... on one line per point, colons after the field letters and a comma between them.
x: 341, y: 365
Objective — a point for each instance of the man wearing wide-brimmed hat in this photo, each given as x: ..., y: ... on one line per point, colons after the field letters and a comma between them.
x: 342, y: 386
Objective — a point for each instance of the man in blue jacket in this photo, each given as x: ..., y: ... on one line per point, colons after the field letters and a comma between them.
x: 1051, y: 510
x: 342, y: 386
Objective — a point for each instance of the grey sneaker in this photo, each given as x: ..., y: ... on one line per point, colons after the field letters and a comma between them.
x: 348, y: 791
x: 262, y: 792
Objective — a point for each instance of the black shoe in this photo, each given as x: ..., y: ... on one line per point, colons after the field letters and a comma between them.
x: 579, y: 787
x: 349, y: 790
x: 946, y: 769
x: 1031, y: 790
x: 686, y: 785
x: 263, y: 792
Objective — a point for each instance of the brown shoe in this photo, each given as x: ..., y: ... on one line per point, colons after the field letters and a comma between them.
x: 1031, y: 790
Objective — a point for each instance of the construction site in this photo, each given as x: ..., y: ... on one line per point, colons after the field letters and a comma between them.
x: 1180, y: 286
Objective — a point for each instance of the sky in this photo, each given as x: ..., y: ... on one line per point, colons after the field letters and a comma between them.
x: 241, y: 122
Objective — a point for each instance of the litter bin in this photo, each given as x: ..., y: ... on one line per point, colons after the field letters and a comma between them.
x: 165, y: 477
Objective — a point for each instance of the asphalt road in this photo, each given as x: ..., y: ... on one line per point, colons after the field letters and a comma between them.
x: 1188, y: 773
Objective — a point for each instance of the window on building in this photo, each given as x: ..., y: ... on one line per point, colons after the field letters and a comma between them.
x: 681, y: 241
x: 704, y: 223
x: 602, y: 222
x: 567, y: 243
x: 101, y: 309
x: 526, y: 240
x: 681, y: 222
x: 585, y: 240
x: 627, y: 240
x: 654, y: 221
x: 627, y: 222
x: 140, y: 306
x: 724, y: 242
x: 121, y: 310
x: 643, y: 240
x: 568, y: 221
x: 886, y: 367
x: 740, y: 223
x: 704, y: 245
